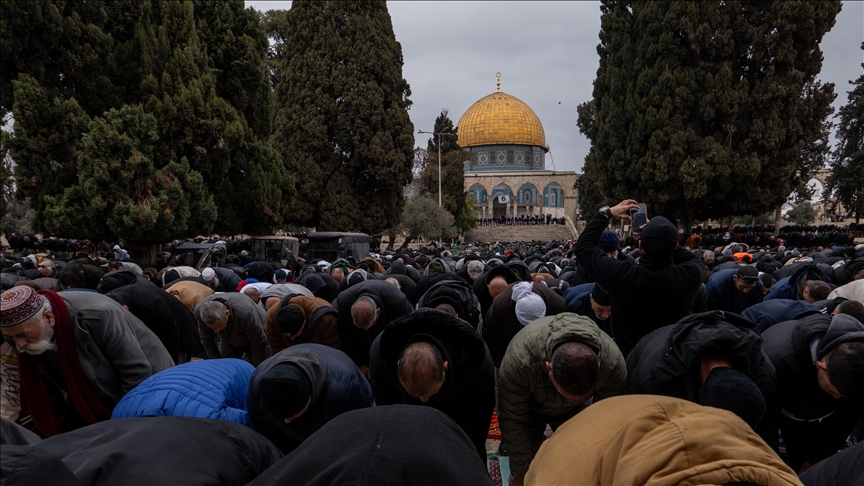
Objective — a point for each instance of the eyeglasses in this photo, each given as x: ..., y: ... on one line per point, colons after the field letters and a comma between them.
x: 44, y: 266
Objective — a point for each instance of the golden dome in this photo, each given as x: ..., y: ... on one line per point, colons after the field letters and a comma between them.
x: 500, y: 119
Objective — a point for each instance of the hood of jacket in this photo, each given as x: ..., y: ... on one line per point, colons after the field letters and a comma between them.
x: 458, y: 342
x: 382, y: 446
x: 649, y: 439
x: 843, y: 329
x: 719, y: 332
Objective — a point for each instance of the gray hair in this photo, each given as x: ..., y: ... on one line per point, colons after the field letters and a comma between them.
x: 395, y: 282
x: 210, y: 311
x: 363, y: 312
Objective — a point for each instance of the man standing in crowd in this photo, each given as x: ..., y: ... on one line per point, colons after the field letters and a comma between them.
x: 365, y: 309
x: 79, y: 354
x: 239, y: 324
x: 734, y: 290
x: 553, y: 369
x: 659, y: 291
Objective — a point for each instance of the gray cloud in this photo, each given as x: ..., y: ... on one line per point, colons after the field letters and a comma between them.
x: 547, y: 55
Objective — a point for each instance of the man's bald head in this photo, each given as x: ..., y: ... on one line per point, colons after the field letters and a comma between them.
x: 497, y: 284
x: 364, y: 313
x: 253, y: 293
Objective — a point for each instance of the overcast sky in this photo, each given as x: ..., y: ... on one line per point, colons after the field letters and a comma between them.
x: 546, y: 53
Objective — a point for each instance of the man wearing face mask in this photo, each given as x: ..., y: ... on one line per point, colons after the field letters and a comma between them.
x: 79, y: 354
x: 296, y: 391
x: 433, y: 358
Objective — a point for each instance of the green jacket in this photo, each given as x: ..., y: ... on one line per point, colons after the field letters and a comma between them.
x: 525, y: 386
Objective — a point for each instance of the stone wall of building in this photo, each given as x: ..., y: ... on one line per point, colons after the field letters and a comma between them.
x: 528, y: 192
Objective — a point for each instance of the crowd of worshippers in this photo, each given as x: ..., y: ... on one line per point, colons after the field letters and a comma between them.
x: 670, y: 363
x: 521, y: 220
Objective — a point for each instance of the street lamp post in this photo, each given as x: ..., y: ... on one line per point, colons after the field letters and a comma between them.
x: 439, y: 160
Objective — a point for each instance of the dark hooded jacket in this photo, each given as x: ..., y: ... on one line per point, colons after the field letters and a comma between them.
x: 578, y: 300
x: 842, y: 469
x: 519, y: 268
x: 228, y: 279
x: 337, y: 387
x: 667, y: 361
x: 389, y: 299
x: 481, y: 285
x: 159, y: 450
x: 468, y: 393
x: 322, y: 285
x: 147, y: 303
x: 791, y: 287
x: 659, y: 291
x: 799, y: 397
x: 431, y: 280
x: 457, y: 294
x: 382, y: 446
x: 27, y: 465
x: 501, y: 323
x: 119, y: 278
x: 407, y: 284
x: 770, y: 312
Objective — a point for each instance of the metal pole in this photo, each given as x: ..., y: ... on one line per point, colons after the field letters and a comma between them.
x: 439, y: 170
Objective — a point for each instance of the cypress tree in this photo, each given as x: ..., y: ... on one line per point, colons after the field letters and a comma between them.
x: 236, y: 46
x: 342, y: 124
x: 846, y: 183
x: 706, y: 109
x: 173, y: 158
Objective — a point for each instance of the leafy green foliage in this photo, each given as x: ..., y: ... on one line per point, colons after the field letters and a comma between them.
x: 61, y: 44
x: 120, y: 189
x: 802, y: 213
x: 846, y: 183
x: 342, y: 125
x: 423, y: 217
x: 466, y: 220
x: 706, y: 109
x: 172, y: 149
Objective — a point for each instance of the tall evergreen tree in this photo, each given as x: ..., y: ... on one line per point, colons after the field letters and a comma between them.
x: 236, y: 46
x: 62, y: 46
x: 342, y: 124
x: 706, y: 109
x: 846, y: 183
x: 173, y: 158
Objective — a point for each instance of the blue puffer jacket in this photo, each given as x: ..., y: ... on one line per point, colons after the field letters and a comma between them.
x: 213, y: 388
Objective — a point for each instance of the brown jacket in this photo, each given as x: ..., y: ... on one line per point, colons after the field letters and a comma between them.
x: 190, y: 293
x: 654, y: 440
x: 326, y: 329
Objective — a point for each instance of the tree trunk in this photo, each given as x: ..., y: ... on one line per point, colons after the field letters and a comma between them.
x: 777, y: 220
x: 143, y: 254
x: 405, y: 243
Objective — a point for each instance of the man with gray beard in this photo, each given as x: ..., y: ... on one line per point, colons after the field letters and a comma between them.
x: 79, y: 354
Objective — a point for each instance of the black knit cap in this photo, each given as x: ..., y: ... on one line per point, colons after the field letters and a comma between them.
x: 659, y: 236
x: 285, y: 390
x: 601, y: 297
x: 290, y: 319
x: 733, y: 391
